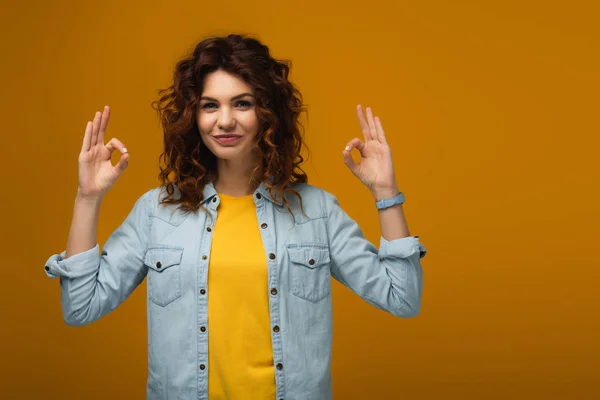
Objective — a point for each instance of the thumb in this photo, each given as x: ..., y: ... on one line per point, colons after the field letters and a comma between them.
x: 349, y: 161
x: 123, y: 163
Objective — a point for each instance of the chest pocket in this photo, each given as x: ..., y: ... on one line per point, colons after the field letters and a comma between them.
x: 164, y: 273
x: 309, y: 270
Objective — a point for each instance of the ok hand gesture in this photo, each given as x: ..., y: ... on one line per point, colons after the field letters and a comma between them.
x: 96, y: 172
x: 375, y: 169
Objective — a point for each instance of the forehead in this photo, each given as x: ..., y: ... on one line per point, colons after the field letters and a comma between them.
x: 223, y: 84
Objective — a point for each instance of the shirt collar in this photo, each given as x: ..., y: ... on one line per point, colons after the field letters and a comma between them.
x: 210, y: 192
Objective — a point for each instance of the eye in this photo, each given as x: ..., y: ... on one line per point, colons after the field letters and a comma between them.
x: 209, y: 105
x: 244, y: 103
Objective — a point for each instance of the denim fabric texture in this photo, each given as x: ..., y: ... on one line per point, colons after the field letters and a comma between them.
x: 172, y: 251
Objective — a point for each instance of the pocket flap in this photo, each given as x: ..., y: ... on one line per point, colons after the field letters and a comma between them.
x: 310, y: 256
x: 161, y: 258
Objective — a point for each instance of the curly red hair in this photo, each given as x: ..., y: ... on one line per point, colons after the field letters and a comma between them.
x: 189, y: 164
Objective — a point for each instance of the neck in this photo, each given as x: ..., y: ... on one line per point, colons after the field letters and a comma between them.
x: 236, y: 180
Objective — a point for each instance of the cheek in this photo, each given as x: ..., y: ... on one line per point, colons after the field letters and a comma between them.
x: 250, y: 122
x: 205, y: 123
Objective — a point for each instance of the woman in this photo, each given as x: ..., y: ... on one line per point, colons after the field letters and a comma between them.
x: 237, y: 248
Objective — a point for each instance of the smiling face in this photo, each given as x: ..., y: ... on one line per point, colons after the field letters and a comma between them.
x: 227, y: 118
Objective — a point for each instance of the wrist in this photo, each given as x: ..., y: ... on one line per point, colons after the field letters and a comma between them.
x: 87, y: 200
x: 381, y: 194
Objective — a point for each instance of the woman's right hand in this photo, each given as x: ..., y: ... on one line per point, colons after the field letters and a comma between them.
x: 96, y: 172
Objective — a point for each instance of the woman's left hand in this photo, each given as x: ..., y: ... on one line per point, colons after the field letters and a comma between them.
x: 375, y: 169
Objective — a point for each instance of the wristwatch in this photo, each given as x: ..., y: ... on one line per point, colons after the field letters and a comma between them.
x: 386, y: 203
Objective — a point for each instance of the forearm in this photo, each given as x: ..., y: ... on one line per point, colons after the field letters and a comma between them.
x: 391, y: 220
x: 84, y: 226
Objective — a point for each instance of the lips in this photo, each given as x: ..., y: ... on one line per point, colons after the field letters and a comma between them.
x: 228, y: 140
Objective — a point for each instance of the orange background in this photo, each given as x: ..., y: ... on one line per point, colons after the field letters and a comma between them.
x: 491, y: 109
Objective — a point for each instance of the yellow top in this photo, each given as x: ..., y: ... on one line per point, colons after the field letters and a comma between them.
x: 240, y: 357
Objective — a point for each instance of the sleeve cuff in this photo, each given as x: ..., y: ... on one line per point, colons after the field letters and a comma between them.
x: 401, y: 248
x: 75, y: 266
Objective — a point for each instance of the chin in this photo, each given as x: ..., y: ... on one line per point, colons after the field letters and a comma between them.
x: 228, y: 153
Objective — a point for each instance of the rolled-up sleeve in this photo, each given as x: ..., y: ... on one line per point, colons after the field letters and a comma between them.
x: 77, y: 265
x: 389, y: 278
x: 93, y: 284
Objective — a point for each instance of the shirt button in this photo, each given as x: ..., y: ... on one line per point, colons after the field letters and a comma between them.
x: 202, y: 291
x: 264, y: 226
x: 311, y: 261
x: 202, y: 329
x: 204, y: 257
x: 158, y: 265
x: 272, y: 256
x: 273, y: 291
x: 380, y: 258
x: 258, y: 196
x: 208, y: 229
x: 276, y: 328
x: 279, y: 366
x: 202, y: 366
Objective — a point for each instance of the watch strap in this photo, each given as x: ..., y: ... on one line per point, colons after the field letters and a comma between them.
x: 386, y: 203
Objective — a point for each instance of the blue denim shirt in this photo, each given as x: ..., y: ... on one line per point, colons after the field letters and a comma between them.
x: 172, y: 250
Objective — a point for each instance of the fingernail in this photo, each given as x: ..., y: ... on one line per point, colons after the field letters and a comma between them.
x: 124, y: 149
x: 347, y: 148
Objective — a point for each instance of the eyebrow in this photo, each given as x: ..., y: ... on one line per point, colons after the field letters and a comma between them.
x: 233, y: 98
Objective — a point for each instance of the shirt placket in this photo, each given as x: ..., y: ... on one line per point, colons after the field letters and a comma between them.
x: 202, y: 296
x: 265, y: 217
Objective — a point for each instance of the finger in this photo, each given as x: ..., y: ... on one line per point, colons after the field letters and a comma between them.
x: 355, y: 143
x: 103, y: 124
x: 364, y: 126
x: 372, y: 129
x: 115, y: 144
x: 380, y: 132
x: 87, y: 138
x: 95, y: 128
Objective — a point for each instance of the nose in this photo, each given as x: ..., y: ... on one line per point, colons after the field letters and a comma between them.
x: 225, y: 120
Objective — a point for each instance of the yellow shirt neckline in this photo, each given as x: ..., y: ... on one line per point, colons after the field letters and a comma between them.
x: 236, y: 198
